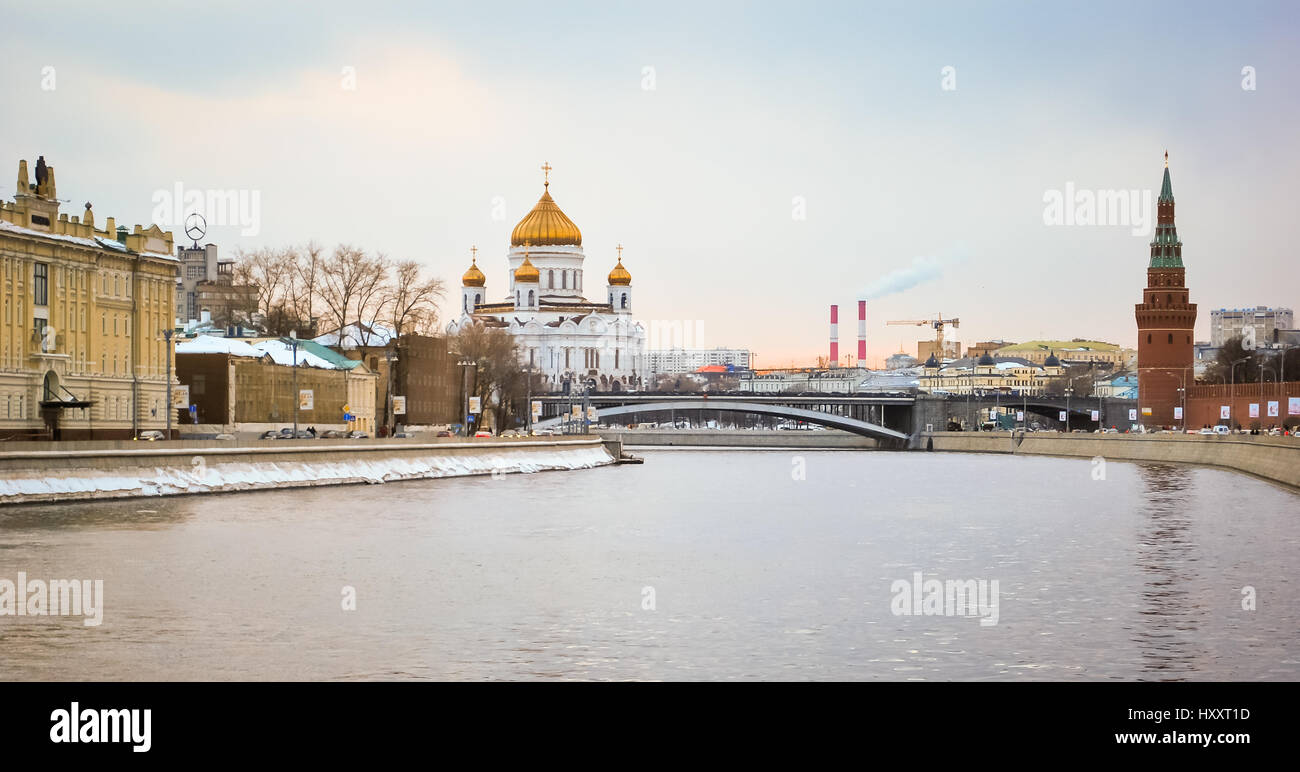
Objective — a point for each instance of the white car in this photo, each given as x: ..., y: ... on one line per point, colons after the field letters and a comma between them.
x: 1206, y: 430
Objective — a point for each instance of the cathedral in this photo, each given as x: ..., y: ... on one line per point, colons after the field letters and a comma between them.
x: 561, y: 335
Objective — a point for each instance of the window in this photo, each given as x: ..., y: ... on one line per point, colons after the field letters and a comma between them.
x: 1171, y: 337
x: 41, y: 284
x: 624, y: 300
x: 550, y: 282
x: 530, y: 297
x: 564, y: 279
x: 1148, y: 337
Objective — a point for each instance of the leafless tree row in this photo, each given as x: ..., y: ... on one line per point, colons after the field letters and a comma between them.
x: 307, y: 289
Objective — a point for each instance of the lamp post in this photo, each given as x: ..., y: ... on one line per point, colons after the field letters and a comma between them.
x: 167, y: 336
x: 528, y: 407
x: 293, y: 342
x: 1069, y: 392
x: 1232, y: 390
x: 464, y: 365
x: 390, y: 417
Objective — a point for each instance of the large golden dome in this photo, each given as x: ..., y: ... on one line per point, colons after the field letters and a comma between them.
x: 527, y: 272
x: 619, y: 277
x: 473, y: 277
x: 546, y: 225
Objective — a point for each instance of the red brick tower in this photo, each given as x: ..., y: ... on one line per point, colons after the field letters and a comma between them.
x: 1165, y: 321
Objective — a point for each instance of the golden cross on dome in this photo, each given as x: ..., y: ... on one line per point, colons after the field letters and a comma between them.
x: 620, y: 252
x: 473, y: 250
x: 546, y: 169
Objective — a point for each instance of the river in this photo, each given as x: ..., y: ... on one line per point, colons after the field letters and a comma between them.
x: 699, y: 564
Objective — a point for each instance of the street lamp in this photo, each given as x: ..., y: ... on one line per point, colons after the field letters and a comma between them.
x: 167, y: 336
x: 1069, y: 391
x: 1182, y: 391
x: 293, y: 342
x: 465, y: 364
x: 1232, y: 390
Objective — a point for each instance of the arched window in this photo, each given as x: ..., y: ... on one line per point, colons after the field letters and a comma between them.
x: 1169, y: 298
x: 1148, y: 337
x: 530, y: 297
x: 478, y: 298
x: 624, y: 300
x: 564, y: 279
x: 1171, y: 337
x: 550, y: 281
x: 465, y: 304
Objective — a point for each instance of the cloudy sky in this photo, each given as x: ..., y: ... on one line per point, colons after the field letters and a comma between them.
x: 758, y: 161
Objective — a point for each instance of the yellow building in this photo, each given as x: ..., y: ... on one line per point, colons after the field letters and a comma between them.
x: 82, y: 353
x: 1077, y: 351
x: 987, y: 375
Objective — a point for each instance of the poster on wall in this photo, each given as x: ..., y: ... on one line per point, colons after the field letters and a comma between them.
x: 1293, y: 405
x: 180, y: 397
x: 399, y: 405
x: 1062, y: 418
x: 1096, y: 415
x: 1254, y: 410
x: 1272, y: 408
x: 306, y: 399
x: 1020, y: 415
x: 1132, y: 414
x: 476, y: 405
x: 1225, y: 411
x: 1178, y: 414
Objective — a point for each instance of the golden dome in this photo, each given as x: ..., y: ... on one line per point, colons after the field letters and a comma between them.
x: 546, y: 225
x: 473, y: 277
x: 619, y: 277
x: 527, y: 272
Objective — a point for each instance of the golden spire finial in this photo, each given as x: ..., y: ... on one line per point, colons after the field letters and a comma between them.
x: 473, y: 251
x: 1166, y: 159
x: 546, y: 170
x: 620, y: 252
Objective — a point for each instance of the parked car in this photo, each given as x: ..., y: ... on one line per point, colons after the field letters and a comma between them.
x: 1206, y: 430
x: 403, y: 435
x: 224, y: 436
x: 269, y: 434
x: 1221, y: 429
x: 358, y: 436
x: 333, y: 434
x: 482, y: 433
x: 151, y: 435
x: 287, y: 434
x: 445, y: 433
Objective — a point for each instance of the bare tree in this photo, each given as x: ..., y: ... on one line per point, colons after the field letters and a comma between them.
x: 497, y: 380
x: 347, y: 277
x: 413, y: 299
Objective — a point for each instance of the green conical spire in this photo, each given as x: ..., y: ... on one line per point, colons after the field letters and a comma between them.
x: 1166, y: 249
x: 1166, y: 187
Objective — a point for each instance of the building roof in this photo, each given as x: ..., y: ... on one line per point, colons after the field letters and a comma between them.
x: 1058, y: 345
x: 213, y: 344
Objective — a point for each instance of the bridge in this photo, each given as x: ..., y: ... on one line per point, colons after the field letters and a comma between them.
x: 901, y: 413
x: 883, y: 435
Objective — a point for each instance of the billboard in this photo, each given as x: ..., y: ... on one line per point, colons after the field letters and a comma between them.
x: 399, y: 405
x: 306, y: 399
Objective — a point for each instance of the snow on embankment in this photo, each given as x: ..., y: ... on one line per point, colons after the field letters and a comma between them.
x: 208, y: 471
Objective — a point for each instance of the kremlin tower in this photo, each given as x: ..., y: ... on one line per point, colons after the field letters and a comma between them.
x: 1165, y: 321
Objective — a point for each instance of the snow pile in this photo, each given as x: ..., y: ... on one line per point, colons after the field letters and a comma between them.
x: 211, y: 475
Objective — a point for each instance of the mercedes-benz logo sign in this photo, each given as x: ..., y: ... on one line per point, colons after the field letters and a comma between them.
x: 195, y: 226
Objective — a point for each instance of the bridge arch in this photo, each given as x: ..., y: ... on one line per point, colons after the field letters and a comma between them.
x: 875, y: 431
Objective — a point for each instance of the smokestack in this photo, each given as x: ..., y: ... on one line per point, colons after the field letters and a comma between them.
x: 835, y: 336
x: 862, y: 333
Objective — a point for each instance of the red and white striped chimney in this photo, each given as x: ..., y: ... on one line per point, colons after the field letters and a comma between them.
x: 862, y: 333
x: 835, y: 336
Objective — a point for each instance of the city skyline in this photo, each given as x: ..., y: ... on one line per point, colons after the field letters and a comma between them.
x: 656, y: 145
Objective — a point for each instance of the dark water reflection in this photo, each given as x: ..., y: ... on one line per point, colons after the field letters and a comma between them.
x: 763, y: 565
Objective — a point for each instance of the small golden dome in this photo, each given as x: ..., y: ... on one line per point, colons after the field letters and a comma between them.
x: 473, y: 277
x: 527, y: 272
x: 619, y: 277
x: 546, y: 225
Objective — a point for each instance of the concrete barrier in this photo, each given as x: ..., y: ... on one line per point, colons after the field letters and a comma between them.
x: 33, y: 472
x: 1272, y: 458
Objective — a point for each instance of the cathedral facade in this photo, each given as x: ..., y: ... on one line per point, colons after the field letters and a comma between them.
x: 561, y: 335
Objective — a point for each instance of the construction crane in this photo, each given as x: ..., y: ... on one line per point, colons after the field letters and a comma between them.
x: 937, y: 323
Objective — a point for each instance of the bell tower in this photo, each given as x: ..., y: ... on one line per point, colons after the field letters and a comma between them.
x: 1165, y: 321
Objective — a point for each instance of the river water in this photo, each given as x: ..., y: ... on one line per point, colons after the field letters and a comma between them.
x: 699, y: 564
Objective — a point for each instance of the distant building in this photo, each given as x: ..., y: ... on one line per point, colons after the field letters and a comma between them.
x: 951, y: 349
x: 1119, y: 386
x: 689, y: 360
x: 839, y: 380
x: 236, y: 384
x: 416, y: 367
x: 978, y: 350
x: 205, y: 282
x: 988, y: 374
x: 1256, y: 324
x: 1069, y: 352
x: 900, y: 361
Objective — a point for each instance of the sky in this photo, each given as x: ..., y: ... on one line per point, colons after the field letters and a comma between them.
x: 757, y: 161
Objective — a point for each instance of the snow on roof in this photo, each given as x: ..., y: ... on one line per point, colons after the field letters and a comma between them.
x: 283, y: 354
x: 213, y: 344
x: 8, y: 226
